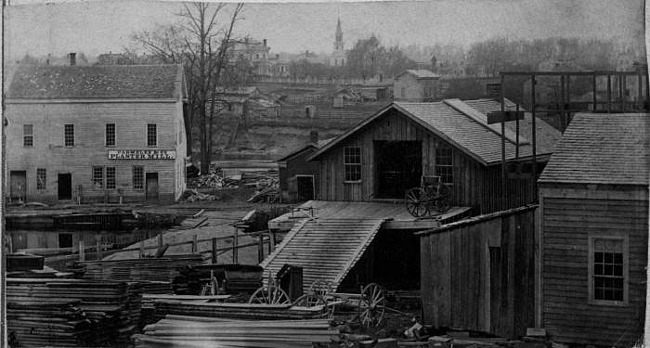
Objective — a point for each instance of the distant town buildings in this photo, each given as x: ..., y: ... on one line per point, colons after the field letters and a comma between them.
x: 416, y: 85
x: 339, y: 55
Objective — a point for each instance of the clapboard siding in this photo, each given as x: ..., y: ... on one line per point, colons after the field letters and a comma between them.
x: 567, y: 223
x: 89, y: 120
x: 475, y: 185
x: 463, y: 286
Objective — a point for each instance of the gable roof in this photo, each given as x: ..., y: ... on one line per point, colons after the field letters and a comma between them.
x: 97, y: 82
x: 602, y: 149
x: 420, y: 73
x: 458, y: 123
x: 310, y: 146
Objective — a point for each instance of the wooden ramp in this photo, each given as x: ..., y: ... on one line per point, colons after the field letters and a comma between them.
x: 326, y: 249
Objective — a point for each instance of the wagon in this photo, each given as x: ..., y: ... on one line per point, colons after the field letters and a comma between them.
x: 432, y: 195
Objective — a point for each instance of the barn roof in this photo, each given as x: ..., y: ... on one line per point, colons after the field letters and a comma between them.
x: 602, y: 149
x: 464, y: 125
x: 97, y: 82
x: 309, y: 146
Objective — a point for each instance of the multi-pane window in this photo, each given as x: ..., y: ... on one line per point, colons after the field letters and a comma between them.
x: 41, y: 178
x: 28, y: 135
x: 352, y: 162
x: 608, y: 269
x: 445, y: 163
x: 152, y: 135
x: 110, y: 134
x: 110, y: 178
x: 98, y: 176
x: 138, y: 177
x: 69, y: 134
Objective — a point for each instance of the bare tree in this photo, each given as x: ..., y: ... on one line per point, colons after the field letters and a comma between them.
x: 200, y: 42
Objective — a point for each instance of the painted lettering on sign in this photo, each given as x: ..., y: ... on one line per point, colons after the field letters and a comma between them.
x: 141, y: 154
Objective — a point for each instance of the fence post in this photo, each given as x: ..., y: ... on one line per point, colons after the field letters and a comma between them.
x: 214, y: 251
x: 82, y: 251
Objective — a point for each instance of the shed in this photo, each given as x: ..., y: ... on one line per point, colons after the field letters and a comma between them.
x: 299, y: 179
x: 594, y: 232
x: 389, y: 152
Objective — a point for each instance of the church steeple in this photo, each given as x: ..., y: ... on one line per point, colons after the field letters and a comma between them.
x: 338, y: 44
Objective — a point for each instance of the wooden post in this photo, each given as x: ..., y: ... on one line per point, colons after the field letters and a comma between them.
x: 235, y: 242
x: 99, y: 247
x: 214, y: 251
x: 142, y: 248
x: 82, y: 251
x: 195, y: 244
x: 504, y: 179
x: 270, y: 249
x: 160, y: 240
x: 10, y: 243
x: 260, y: 247
x: 271, y: 241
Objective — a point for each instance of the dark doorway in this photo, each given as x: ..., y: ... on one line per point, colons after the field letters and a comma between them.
x: 65, y: 240
x: 399, y: 167
x: 152, y: 186
x: 305, y: 185
x: 18, y: 182
x: 65, y: 186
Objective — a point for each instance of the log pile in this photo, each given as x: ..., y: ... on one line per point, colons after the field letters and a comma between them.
x: 60, y: 311
x: 197, y: 332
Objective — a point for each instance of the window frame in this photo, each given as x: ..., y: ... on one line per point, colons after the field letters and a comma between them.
x: 626, y: 266
x: 41, y: 178
x: 111, y: 181
x: 97, y: 182
x: 133, y: 178
x: 439, y: 148
x: 68, y: 142
x: 110, y: 135
x: 350, y: 165
x: 29, y: 136
x: 152, y: 135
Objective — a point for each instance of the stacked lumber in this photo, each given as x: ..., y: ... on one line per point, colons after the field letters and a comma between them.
x: 112, y: 309
x: 160, y: 271
x: 244, y: 311
x: 211, y: 332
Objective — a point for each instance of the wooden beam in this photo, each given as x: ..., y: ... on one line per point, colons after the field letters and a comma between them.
x: 508, y: 115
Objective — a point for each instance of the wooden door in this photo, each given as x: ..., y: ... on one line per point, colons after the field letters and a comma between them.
x: 65, y: 186
x: 18, y: 182
x: 305, y: 187
x: 152, y: 186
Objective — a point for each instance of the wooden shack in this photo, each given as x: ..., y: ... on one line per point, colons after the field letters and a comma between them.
x: 389, y: 152
x: 478, y: 273
x: 594, y: 232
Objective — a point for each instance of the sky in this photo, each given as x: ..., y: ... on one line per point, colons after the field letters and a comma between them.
x: 95, y: 27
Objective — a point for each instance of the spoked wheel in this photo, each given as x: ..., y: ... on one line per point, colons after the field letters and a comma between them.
x: 415, y: 202
x: 309, y: 300
x: 372, y: 305
x: 269, y: 295
x: 320, y: 287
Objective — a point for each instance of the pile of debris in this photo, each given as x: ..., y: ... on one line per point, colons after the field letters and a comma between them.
x: 193, y: 195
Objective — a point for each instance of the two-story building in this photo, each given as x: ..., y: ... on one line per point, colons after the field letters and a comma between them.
x: 419, y: 85
x: 96, y: 134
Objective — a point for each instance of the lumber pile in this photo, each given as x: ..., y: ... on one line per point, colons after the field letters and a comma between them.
x: 156, y: 274
x: 210, y: 332
x: 60, y: 311
x: 243, y: 311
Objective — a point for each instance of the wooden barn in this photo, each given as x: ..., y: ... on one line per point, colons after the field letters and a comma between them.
x: 389, y: 152
x: 479, y: 273
x: 594, y: 232
x: 299, y: 178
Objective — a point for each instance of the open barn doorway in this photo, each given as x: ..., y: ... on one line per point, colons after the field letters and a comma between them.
x: 399, y: 167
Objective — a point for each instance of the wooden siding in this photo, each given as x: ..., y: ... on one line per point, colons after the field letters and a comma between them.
x: 569, y: 218
x: 479, y: 275
x: 298, y: 165
x: 474, y: 186
x: 89, y: 148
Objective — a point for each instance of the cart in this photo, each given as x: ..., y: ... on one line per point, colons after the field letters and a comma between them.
x: 432, y: 195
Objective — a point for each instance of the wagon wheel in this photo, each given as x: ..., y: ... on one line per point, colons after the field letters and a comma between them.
x: 416, y: 203
x: 443, y: 202
x: 372, y: 305
x: 314, y: 300
x: 320, y: 287
x: 269, y: 295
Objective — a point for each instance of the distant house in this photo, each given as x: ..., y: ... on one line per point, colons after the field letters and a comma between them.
x: 594, y: 232
x: 299, y: 179
x: 96, y: 134
x: 256, y: 52
x: 416, y: 86
x: 390, y: 151
x: 246, y: 101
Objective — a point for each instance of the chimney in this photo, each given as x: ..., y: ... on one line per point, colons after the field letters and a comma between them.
x: 264, y: 42
x: 313, y: 137
x: 73, y: 58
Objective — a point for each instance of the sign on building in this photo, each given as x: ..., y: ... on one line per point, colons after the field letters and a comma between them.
x: 141, y: 154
